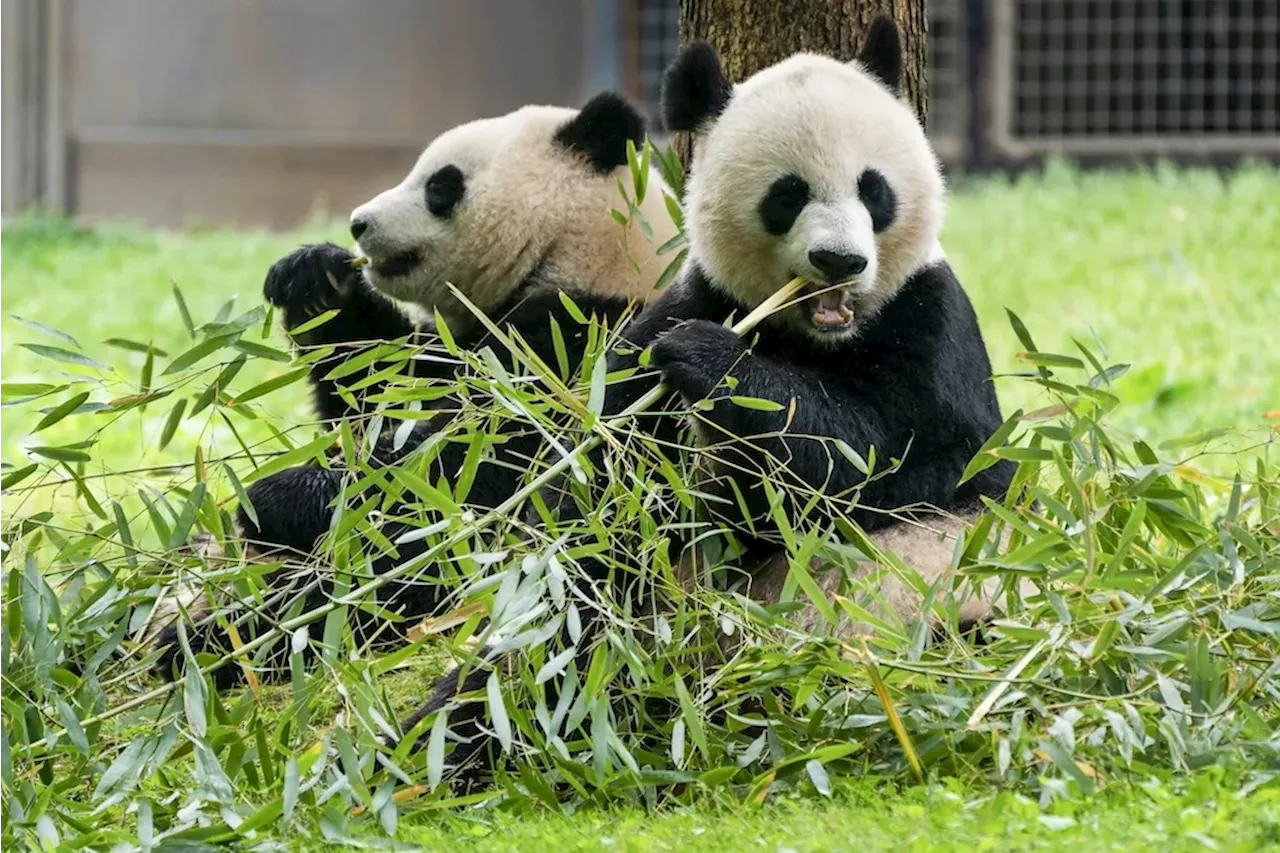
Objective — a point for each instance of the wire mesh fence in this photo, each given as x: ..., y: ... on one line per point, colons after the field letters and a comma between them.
x: 1136, y: 76
x: 1078, y: 77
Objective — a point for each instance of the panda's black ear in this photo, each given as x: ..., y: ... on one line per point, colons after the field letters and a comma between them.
x: 601, y: 129
x: 881, y: 55
x: 694, y: 88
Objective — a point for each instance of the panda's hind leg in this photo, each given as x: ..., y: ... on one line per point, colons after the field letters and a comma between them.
x: 291, y: 512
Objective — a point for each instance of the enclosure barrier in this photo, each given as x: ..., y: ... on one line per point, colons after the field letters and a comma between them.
x: 1135, y: 77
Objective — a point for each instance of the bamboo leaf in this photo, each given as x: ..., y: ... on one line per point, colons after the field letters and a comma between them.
x: 818, y: 775
x: 197, y: 352
x: 572, y: 307
x: 40, y: 327
x: 756, y: 404
x: 61, y: 411
x: 435, y: 749
x: 262, y: 351
x: 315, y: 322
x: 62, y: 454
x: 182, y: 310
x: 498, y: 712
x: 171, y: 423
x: 985, y: 457
x: 135, y: 346
x: 273, y: 384
x: 64, y: 356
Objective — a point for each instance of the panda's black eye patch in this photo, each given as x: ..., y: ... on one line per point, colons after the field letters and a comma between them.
x: 782, y: 204
x: 444, y: 190
x: 878, y: 198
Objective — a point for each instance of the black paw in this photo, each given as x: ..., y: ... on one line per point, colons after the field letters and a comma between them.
x: 695, y: 356
x: 310, y: 281
x: 293, y: 507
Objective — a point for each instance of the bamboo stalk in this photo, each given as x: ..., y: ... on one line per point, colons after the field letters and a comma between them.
x: 780, y: 299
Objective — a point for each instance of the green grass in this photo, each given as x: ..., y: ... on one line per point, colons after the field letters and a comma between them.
x: 862, y: 817
x: 1173, y: 271
x: 116, y: 282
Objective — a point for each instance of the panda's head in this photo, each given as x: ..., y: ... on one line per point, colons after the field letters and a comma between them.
x: 812, y: 168
x: 516, y: 200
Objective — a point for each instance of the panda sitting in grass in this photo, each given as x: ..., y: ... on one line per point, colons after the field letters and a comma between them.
x: 812, y: 168
x: 512, y: 211
x: 815, y: 168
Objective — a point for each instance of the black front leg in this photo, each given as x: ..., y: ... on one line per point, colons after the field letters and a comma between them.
x: 475, y: 754
x: 318, y: 278
x: 703, y: 360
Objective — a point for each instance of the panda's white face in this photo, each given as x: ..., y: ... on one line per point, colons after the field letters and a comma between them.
x: 492, y: 201
x: 814, y: 169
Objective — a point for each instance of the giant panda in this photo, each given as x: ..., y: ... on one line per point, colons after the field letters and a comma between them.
x: 817, y: 168
x: 514, y: 212
x: 811, y: 168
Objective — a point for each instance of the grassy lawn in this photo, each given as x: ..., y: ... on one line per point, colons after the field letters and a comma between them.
x: 1172, y: 271
x: 862, y: 817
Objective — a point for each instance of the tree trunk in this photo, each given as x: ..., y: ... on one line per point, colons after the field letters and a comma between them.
x: 754, y: 34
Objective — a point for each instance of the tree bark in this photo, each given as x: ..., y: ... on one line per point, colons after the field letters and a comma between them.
x: 753, y: 34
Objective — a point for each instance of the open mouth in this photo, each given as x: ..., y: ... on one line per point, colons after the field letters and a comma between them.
x: 830, y: 307
x: 396, y: 265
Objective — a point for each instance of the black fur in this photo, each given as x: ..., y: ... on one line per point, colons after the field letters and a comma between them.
x: 694, y: 88
x: 781, y: 206
x: 915, y: 383
x: 445, y: 189
x: 882, y: 53
x: 294, y: 507
x: 316, y: 279
x: 600, y: 131
x: 878, y: 198
x: 474, y: 749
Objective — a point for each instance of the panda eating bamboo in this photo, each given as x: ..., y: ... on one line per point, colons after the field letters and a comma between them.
x: 513, y: 212
x: 811, y: 168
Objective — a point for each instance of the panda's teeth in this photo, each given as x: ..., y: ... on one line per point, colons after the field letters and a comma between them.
x: 831, y: 310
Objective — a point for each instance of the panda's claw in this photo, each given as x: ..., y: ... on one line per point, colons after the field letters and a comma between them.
x: 695, y: 356
x: 310, y: 281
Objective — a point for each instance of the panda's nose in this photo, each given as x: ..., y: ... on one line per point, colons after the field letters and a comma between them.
x: 837, y: 267
x: 358, y: 227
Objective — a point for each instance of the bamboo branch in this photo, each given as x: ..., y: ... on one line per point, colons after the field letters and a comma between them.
x: 780, y: 299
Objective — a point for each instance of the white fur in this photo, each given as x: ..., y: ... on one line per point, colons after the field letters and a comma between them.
x: 827, y: 122
x: 184, y: 595
x: 527, y: 200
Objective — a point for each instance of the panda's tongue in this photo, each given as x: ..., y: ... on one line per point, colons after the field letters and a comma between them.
x: 830, y: 310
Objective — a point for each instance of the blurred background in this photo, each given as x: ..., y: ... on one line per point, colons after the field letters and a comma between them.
x: 262, y: 113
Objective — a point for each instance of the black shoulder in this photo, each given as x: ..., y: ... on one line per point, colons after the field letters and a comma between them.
x: 532, y: 308
x: 531, y: 313
x: 930, y: 313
